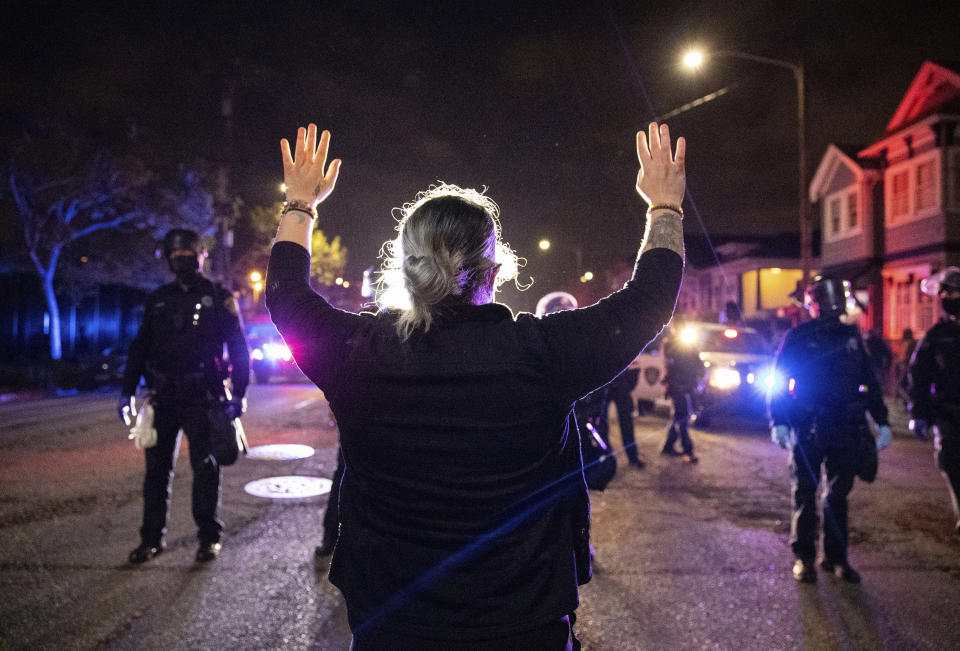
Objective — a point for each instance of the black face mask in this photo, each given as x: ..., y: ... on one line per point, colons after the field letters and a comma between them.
x: 187, y: 268
x: 951, y: 306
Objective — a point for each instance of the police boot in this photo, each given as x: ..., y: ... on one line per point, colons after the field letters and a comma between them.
x: 804, y: 571
x: 144, y: 552
x: 841, y: 571
x: 208, y: 551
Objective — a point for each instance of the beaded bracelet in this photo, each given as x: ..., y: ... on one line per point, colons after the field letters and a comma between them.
x: 676, y: 209
x: 299, y: 206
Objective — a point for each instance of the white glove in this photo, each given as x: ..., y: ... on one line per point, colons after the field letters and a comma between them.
x: 884, y: 436
x: 143, y: 434
x: 780, y: 434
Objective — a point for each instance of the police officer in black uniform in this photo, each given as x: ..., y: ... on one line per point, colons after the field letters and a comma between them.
x: 935, y: 381
x: 179, y: 350
x: 618, y: 391
x: 684, y: 372
x: 830, y: 386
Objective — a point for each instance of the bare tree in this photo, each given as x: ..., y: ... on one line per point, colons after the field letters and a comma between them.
x: 91, y: 196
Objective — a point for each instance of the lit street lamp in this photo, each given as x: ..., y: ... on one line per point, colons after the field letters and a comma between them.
x: 256, y: 283
x: 695, y: 58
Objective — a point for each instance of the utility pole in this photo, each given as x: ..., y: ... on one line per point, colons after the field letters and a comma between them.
x: 223, y: 205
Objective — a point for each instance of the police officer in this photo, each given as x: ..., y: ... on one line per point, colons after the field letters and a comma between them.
x: 179, y: 351
x: 618, y: 392
x: 830, y: 385
x: 935, y: 381
x: 684, y: 371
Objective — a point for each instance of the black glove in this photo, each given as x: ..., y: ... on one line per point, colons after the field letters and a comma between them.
x: 127, y: 409
x: 235, y: 407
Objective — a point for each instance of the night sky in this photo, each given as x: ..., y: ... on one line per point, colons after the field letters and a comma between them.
x: 538, y: 102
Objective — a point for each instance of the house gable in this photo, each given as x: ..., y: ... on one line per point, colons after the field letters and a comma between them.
x: 835, y: 162
x: 933, y: 87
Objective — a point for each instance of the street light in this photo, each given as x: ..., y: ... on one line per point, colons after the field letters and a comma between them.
x: 256, y: 284
x: 544, y: 245
x: 695, y: 58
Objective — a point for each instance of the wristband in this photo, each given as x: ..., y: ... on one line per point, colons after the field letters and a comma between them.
x: 300, y: 206
x: 663, y: 206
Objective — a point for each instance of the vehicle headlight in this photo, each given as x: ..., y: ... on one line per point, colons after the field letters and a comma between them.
x: 277, y: 351
x: 257, y: 354
x: 724, y: 378
x: 771, y: 380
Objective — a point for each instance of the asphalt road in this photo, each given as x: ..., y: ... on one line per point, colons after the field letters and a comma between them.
x: 688, y: 556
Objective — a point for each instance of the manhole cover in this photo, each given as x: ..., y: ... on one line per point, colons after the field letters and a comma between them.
x: 281, y: 452
x: 288, y: 487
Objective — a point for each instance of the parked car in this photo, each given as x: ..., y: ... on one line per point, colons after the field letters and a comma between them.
x: 269, y: 356
x: 103, y: 369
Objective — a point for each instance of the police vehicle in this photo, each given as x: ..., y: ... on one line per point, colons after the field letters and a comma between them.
x: 269, y: 356
x: 738, y: 370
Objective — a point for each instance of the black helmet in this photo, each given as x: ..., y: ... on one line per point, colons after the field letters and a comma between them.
x: 181, y: 238
x: 829, y: 294
x: 951, y: 282
x: 944, y: 280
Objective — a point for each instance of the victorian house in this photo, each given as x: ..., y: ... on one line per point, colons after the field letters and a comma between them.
x: 890, y: 211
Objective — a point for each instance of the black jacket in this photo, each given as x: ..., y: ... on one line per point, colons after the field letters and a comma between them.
x: 829, y: 378
x: 684, y: 368
x: 463, y: 510
x: 935, y: 370
x: 179, y: 347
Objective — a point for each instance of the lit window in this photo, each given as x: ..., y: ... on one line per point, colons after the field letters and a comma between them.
x: 899, y: 194
x: 926, y: 191
x: 852, y: 210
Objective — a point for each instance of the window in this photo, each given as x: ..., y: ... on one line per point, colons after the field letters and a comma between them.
x: 841, y: 218
x: 926, y: 191
x: 899, y: 194
x: 835, y: 217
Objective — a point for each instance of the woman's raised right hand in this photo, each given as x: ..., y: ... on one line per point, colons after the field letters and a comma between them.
x: 661, y: 180
x: 306, y: 174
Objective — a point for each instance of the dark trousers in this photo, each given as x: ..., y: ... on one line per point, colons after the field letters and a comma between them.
x: 621, y: 398
x: 169, y: 419
x: 682, y: 406
x: 946, y: 442
x: 555, y: 636
x: 806, y: 460
x: 331, y: 517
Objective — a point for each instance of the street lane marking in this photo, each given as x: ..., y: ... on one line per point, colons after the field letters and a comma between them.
x: 304, y: 403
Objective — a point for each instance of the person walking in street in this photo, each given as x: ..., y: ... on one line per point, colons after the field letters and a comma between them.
x: 821, y: 418
x: 907, y: 345
x: 881, y: 356
x: 684, y: 372
x: 935, y: 382
x: 179, y: 351
x: 464, y: 516
x: 618, y: 392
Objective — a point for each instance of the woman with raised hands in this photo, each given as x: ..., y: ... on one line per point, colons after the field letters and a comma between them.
x: 464, y: 517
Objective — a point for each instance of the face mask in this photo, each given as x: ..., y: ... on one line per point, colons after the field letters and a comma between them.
x: 951, y: 306
x: 186, y: 267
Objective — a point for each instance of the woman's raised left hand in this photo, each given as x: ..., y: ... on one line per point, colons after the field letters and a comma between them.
x: 306, y: 174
